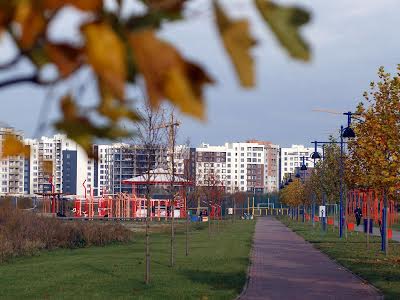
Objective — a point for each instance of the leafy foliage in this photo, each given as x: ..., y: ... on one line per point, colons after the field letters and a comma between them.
x: 293, y: 194
x: 374, y: 155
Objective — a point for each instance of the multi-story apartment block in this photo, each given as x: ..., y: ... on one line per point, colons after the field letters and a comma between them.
x: 249, y: 166
x: 58, y: 164
x: 118, y: 162
x: 292, y: 158
x: 271, y: 164
x: 13, y: 169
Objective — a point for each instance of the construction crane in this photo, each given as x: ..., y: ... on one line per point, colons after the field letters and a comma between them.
x: 329, y: 111
x: 171, y: 126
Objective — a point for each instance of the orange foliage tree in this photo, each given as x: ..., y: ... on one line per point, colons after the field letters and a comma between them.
x: 374, y: 155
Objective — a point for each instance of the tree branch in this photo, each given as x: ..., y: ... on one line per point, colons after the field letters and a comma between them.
x: 26, y: 79
x: 11, y: 63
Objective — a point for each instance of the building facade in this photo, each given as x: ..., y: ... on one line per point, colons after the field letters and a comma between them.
x: 293, y: 157
x: 58, y: 164
x: 248, y: 167
x: 14, y: 171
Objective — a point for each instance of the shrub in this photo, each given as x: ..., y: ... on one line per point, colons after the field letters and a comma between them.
x: 25, y: 233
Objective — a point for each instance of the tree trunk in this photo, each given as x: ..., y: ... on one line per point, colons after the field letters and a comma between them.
x: 234, y: 210
x: 367, y: 223
x: 187, y: 234
x: 385, y: 240
x: 172, y: 258
x: 209, y: 222
x: 147, y: 242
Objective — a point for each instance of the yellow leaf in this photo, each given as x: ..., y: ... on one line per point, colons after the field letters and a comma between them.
x: 106, y: 53
x: 238, y: 42
x: 31, y: 22
x: 12, y: 146
x: 179, y: 90
x: 285, y: 23
x: 167, y: 74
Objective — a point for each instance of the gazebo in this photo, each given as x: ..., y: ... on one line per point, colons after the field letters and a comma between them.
x: 159, y: 207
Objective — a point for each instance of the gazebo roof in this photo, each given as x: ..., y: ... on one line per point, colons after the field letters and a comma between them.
x: 158, y: 176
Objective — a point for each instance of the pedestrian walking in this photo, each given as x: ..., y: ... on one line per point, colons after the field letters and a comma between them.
x: 358, y: 215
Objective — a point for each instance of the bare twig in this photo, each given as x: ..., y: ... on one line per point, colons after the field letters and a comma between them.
x: 34, y: 79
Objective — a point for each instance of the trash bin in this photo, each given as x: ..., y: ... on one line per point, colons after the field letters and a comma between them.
x: 371, y: 224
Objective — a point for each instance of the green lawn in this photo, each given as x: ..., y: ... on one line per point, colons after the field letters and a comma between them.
x: 370, y: 264
x: 215, y: 269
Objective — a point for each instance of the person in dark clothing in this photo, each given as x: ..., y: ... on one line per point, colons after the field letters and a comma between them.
x: 358, y: 215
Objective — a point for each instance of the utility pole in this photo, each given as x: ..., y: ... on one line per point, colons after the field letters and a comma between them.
x: 171, y: 145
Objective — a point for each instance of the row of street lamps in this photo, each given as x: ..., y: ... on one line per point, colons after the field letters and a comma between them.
x: 345, y: 133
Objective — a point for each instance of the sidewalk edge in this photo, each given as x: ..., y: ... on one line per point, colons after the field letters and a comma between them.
x: 246, y: 284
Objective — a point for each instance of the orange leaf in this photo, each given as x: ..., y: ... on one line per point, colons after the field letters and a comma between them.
x: 32, y: 24
x: 65, y: 57
x: 12, y: 146
x: 86, y: 5
x: 167, y: 74
x: 106, y: 53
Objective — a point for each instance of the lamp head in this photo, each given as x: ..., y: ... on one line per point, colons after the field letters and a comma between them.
x: 315, y: 155
x: 348, y: 132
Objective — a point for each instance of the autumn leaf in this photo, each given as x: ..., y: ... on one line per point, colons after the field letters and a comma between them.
x: 114, y: 110
x: 6, y: 14
x: 165, y: 5
x: 284, y: 22
x: 167, y: 74
x: 111, y: 69
x: 47, y: 166
x: 31, y: 22
x: 80, y: 129
x: 12, y: 146
x: 85, y: 5
x: 238, y: 43
x: 65, y: 57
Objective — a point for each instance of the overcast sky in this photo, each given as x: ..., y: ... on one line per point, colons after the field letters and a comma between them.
x: 349, y: 39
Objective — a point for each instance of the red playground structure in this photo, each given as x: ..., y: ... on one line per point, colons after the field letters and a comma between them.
x: 132, y: 206
x: 370, y: 202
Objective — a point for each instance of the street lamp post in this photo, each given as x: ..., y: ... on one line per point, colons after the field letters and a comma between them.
x: 304, y: 169
x: 347, y: 132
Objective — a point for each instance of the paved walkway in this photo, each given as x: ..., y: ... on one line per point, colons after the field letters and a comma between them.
x: 284, y: 266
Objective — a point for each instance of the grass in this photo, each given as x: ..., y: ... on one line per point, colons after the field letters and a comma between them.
x: 371, y: 264
x: 215, y: 268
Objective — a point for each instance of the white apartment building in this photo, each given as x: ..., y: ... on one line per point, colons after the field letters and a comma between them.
x: 293, y: 157
x: 58, y: 164
x: 238, y: 166
x: 12, y: 169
